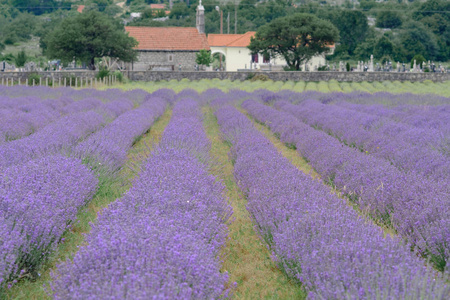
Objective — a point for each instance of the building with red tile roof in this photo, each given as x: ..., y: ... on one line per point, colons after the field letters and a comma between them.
x: 168, y: 38
x: 80, y: 8
x: 238, y: 56
x: 169, y: 48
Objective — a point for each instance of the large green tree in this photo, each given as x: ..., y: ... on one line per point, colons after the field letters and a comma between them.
x: 353, y: 28
x: 88, y: 36
x: 296, y: 38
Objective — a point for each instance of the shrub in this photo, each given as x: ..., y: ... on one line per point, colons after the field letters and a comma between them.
x: 118, y: 75
x: 260, y: 77
x: 102, y: 73
x: 35, y: 77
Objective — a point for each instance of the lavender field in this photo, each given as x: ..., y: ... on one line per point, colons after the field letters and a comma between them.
x: 223, y: 194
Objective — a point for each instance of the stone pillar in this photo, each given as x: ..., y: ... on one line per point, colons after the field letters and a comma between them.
x: 371, y: 67
x: 200, y: 18
x: 414, y: 66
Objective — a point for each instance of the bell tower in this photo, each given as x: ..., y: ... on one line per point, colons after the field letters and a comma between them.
x: 200, y: 20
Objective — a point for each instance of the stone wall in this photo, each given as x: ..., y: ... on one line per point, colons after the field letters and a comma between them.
x: 295, y: 76
x: 164, y: 60
x: 54, y: 74
x: 276, y: 76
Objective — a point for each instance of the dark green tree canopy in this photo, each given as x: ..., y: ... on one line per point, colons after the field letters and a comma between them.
x: 353, y: 28
x: 88, y: 36
x: 388, y: 19
x: 296, y: 38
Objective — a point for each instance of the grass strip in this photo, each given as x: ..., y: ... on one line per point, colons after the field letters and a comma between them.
x: 246, y: 259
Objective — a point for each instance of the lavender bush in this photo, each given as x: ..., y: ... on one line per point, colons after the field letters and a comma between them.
x: 55, y: 137
x: 39, y: 201
x: 108, y: 147
x: 315, y: 237
x: 162, y: 239
x: 415, y: 206
x: 408, y: 147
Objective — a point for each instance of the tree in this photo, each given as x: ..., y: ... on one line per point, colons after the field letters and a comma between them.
x: 383, y: 47
x: 388, y: 19
x: 179, y: 10
x: 21, y: 58
x: 297, y: 38
x: 203, y: 58
x: 88, y: 36
x: 419, y: 60
x: 353, y: 28
x: 415, y: 38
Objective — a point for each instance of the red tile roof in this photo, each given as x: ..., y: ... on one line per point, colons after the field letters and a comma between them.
x: 233, y: 40
x: 218, y: 40
x: 157, y: 6
x: 168, y: 38
x: 80, y: 8
x: 230, y: 40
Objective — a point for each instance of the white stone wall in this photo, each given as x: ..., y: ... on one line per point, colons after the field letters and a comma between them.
x: 239, y: 58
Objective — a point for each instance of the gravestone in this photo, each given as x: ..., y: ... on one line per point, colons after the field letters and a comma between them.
x: 371, y: 67
x: 30, y: 66
x: 5, y: 66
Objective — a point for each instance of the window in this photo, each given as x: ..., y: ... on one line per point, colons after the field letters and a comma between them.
x: 266, y: 58
x: 255, y: 58
x: 170, y: 58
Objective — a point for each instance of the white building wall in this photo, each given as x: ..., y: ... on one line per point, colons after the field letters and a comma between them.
x: 240, y: 58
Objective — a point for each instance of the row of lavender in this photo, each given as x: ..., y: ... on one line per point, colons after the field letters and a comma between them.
x: 41, y: 190
x: 315, y: 237
x: 162, y: 239
x: 421, y: 111
x: 410, y: 148
x: 23, y: 114
x: 416, y: 207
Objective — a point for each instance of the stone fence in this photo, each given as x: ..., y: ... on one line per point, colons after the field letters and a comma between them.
x: 276, y: 76
x: 285, y: 76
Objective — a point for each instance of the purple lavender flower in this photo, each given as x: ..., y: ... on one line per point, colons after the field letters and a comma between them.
x: 315, y: 237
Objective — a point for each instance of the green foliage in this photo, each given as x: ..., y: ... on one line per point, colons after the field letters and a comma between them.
x: 415, y: 38
x: 35, y: 77
x: 383, y: 47
x: 347, y: 66
x: 179, y: 10
x: 296, y: 38
x: 259, y: 77
x: 88, y: 36
x: 102, y: 73
x: 102, y: 4
x: 21, y: 58
x: 419, y: 60
x: 119, y: 76
x: 7, y: 57
x: 203, y: 57
x: 38, y: 7
x: 388, y: 19
x: 352, y: 26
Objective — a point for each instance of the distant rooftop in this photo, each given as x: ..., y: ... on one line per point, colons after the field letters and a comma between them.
x: 168, y: 38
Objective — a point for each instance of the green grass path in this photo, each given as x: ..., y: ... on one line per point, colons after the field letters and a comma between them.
x: 246, y: 258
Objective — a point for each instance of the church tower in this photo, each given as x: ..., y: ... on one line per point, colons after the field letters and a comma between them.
x: 200, y: 18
